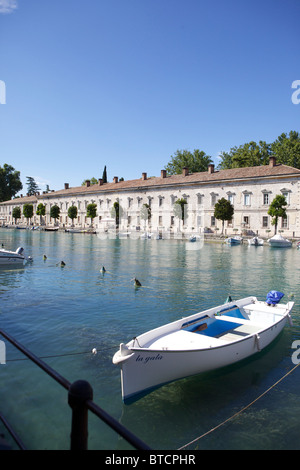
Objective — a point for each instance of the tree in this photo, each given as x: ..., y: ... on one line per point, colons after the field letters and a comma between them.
x: 145, y: 213
x: 54, y: 212
x: 10, y: 182
x: 116, y: 212
x: 247, y: 155
x: 223, y: 211
x: 180, y: 209
x: 195, y: 162
x: 41, y: 211
x: 91, y: 180
x: 28, y: 211
x: 104, y: 176
x: 72, y: 213
x: 16, y: 213
x: 286, y: 149
x: 277, y: 209
x: 32, y: 187
x: 91, y: 211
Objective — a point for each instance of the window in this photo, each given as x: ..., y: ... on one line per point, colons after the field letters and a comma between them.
x: 246, y: 221
x: 287, y: 196
x: 246, y: 199
x: 160, y: 201
x: 284, y: 223
x: 172, y: 220
x: 230, y: 198
x: 160, y: 220
x: 213, y: 199
x: 266, y: 198
x: 200, y: 198
x: 212, y: 221
x: 265, y: 221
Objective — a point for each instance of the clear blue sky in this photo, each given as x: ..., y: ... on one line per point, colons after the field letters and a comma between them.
x: 125, y: 83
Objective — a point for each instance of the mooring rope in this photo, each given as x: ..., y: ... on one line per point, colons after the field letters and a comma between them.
x: 238, y: 412
x: 93, y: 351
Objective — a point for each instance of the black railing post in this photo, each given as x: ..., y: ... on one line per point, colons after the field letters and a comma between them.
x: 79, y: 393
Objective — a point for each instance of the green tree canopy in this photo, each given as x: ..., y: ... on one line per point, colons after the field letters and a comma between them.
x: 72, y: 213
x: 91, y: 180
x: 250, y: 154
x: 116, y: 212
x: 41, y: 210
x: 32, y: 187
x: 195, y: 162
x: 16, y: 213
x: 223, y: 211
x: 28, y: 211
x: 10, y: 182
x: 104, y: 176
x: 286, y: 149
x: 54, y: 212
x: 91, y: 211
x: 277, y: 209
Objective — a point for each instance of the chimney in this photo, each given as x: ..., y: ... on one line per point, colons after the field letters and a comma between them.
x: 144, y: 176
x: 100, y: 181
x: 185, y: 171
x: 211, y: 168
x: 272, y: 161
x: 66, y: 185
x: 115, y: 179
x: 163, y: 173
x: 87, y: 183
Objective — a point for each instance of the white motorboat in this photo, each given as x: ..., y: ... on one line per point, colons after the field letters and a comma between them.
x: 13, y: 258
x: 204, y: 341
x: 279, y: 242
x: 255, y: 241
x: 236, y: 240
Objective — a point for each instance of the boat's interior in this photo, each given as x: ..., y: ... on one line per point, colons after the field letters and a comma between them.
x: 229, y: 324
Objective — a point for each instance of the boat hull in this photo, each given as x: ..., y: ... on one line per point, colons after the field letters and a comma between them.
x: 146, y: 370
x: 11, y: 261
x: 202, y: 342
x: 12, y: 258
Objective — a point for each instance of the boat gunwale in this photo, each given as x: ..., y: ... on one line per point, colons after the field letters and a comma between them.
x: 229, y: 343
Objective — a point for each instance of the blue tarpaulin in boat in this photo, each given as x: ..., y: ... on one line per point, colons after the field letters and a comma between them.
x: 273, y: 297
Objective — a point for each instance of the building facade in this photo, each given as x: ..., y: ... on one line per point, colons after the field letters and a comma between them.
x: 250, y: 190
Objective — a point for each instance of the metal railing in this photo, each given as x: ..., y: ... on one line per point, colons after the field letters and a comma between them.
x: 80, y: 399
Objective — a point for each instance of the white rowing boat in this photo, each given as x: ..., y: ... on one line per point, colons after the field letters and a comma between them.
x: 205, y: 341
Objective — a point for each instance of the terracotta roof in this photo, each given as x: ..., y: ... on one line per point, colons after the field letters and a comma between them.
x: 236, y: 174
x: 24, y: 200
x: 174, y: 180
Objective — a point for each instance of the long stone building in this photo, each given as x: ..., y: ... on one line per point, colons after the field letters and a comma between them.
x: 250, y: 190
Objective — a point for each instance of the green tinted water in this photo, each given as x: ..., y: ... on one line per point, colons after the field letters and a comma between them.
x: 61, y: 314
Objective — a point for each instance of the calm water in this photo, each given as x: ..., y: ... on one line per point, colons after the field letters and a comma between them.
x: 60, y: 312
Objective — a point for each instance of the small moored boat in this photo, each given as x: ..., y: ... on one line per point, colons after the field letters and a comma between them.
x: 255, y: 241
x: 279, y: 242
x: 205, y: 341
x: 13, y: 258
x: 236, y: 240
